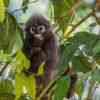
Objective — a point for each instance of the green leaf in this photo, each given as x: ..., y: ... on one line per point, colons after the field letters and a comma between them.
x: 62, y: 88
x: 69, y: 49
x: 95, y: 76
x: 7, y: 96
x: 2, y: 11
x: 61, y: 12
x: 21, y: 62
x: 81, y: 64
x: 6, y: 90
x: 6, y: 86
x: 6, y: 2
x: 41, y: 69
x: 9, y: 31
x: 96, y: 49
x: 27, y: 82
x: 79, y: 87
x: 4, y: 57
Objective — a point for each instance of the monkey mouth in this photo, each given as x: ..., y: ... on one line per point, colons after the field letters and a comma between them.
x: 39, y: 36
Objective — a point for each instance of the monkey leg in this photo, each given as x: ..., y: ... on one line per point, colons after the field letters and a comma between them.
x: 48, y: 77
x: 42, y: 82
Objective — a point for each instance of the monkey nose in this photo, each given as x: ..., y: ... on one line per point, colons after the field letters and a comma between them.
x: 38, y: 36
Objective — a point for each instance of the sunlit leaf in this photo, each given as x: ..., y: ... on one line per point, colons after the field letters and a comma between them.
x: 21, y: 62
x: 27, y: 82
x: 41, y: 69
x: 4, y: 57
x: 2, y: 11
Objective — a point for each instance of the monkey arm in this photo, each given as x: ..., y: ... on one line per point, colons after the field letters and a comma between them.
x: 51, y: 50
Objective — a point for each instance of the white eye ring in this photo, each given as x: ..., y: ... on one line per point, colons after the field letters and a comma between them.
x: 32, y: 30
x: 41, y: 29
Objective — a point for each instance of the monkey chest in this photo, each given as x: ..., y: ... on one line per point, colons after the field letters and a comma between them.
x: 37, y: 59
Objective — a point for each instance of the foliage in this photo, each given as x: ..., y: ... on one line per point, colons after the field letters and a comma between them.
x: 6, y: 90
x: 2, y: 11
x: 21, y: 61
x: 70, y: 50
x: 81, y: 49
x: 62, y: 85
x: 27, y: 82
x: 9, y: 33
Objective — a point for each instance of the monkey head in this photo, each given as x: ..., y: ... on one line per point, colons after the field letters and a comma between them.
x: 38, y: 30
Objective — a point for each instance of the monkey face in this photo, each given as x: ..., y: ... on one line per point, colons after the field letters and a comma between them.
x: 38, y: 31
x: 38, y: 27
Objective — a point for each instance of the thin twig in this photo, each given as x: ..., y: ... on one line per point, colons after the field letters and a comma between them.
x: 80, y: 22
x: 15, y: 10
x: 94, y: 14
x: 47, y: 88
x: 4, y: 67
x: 50, y: 85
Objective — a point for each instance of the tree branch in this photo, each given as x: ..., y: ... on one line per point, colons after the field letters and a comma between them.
x: 94, y: 14
x: 6, y: 64
x: 80, y: 22
x: 4, y: 67
x: 52, y: 84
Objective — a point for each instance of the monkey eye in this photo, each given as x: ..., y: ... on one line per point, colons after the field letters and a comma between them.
x: 32, y: 30
x: 41, y: 29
